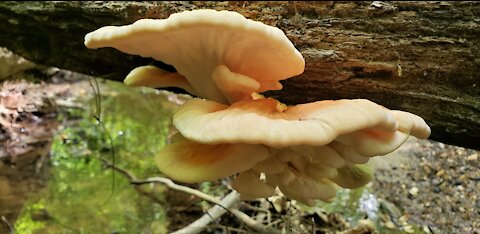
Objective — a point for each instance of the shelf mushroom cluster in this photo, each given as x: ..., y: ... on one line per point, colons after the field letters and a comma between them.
x: 306, y: 151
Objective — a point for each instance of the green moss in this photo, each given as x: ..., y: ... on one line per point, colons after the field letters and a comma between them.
x: 25, y: 223
x: 78, y: 197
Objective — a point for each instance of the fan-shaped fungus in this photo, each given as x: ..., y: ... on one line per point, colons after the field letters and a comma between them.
x: 306, y: 151
x: 223, y: 56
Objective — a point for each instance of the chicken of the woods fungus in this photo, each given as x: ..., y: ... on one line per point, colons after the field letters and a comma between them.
x: 305, y: 151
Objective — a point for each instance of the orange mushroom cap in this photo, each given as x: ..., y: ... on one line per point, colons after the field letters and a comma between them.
x: 198, y: 43
x: 263, y: 121
x: 192, y: 162
x: 154, y: 77
x: 368, y: 128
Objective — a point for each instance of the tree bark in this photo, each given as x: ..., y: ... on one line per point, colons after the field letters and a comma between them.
x: 421, y: 57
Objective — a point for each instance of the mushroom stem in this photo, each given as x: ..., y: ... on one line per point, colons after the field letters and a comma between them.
x: 234, y: 86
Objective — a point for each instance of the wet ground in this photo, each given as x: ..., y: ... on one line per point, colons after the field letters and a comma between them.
x: 56, y: 184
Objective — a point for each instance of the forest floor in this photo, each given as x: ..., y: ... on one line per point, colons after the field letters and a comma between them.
x: 425, y: 187
x: 435, y: 186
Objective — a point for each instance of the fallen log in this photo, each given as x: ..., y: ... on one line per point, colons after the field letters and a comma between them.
x: 421, y: 57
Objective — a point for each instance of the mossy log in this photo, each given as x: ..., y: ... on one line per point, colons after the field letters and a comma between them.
x: 421, y: 57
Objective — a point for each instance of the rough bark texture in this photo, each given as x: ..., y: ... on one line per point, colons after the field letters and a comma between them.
x: 421, y: 57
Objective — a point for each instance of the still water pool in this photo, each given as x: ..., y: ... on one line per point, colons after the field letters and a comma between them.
x: 78, y: 197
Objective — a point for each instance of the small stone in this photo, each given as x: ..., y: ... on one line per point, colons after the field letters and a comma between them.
x: 437, y: 181
x: 443, y: 155
x: 390, y: 225
x: 440, y: 173
x: 426, y: 230
x: 403, y: 220
x: 408, y: 229
x: 427, y: 169
x: 413, y: 191
x: 296, y: 222
x: 472, y: 157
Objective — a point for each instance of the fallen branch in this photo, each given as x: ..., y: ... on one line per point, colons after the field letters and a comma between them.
x: 228, y: 200
x: 9, y: 226
x: 169, y: 183
x: 252, y: 223
x: 392, y: 53
x: 131, y: 177
x: 212, y: 214
x: 221, y: 206
x: 262, y: 212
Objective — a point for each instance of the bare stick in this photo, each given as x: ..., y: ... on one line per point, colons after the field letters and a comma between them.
x: 220, y: 208
x: 215, y: 212
x: 233, y: 198
x: 5, y: 221
x: 252, y: 223
x: 169, y: 183
x: 131, y: 177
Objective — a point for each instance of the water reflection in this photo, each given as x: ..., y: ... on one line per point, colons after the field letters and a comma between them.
x: 78, y: 197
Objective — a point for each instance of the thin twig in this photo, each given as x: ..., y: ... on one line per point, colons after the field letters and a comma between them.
x: 131, y: 177
x: 169, y: 183
x: 254, y: 208
x: 262, y: 212
x: 212, y: 214
x: 271, y: 224
x: 229, y: 229
x: 126, y: 173
x: 216, y: 221
x: 224, y: 205
x: 98, y: 116
x: 313, y: 226
x: 9, y: 226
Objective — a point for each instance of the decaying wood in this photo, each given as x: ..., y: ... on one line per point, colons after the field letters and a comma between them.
x: 421, y: 57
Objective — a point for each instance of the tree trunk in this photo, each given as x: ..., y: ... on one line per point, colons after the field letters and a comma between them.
x: 421, y: 57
